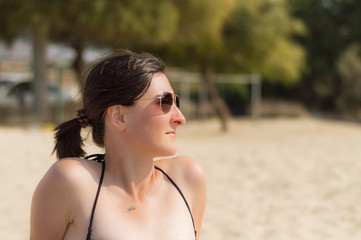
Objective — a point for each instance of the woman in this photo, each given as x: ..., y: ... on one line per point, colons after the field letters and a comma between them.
x: 124, y: 194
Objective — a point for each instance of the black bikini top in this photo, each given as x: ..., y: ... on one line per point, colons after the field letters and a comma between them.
x: 100, y: 158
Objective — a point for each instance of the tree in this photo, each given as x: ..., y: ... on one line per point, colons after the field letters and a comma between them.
x: 258, y: 38
x: 11, y: 24
x: 197, y: 43
x: 349, y: 68
x: 124, y: 24
x: 246, y: 36
x: 200, y: 35
x: 34, y: 16
x: 332, y: 28
x: 137, y: 24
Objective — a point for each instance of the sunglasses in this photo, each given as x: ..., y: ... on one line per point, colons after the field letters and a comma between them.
x: 166, y: 101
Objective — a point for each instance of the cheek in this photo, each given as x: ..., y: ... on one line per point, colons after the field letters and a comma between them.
x: 150, y: 136
x: 144, y: 129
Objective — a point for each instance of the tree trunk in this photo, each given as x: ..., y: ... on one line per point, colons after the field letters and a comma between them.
x: 40, y: 39
x: 217, y: 102
x: 79, y: 65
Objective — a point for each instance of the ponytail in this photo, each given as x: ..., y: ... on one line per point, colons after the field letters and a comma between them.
x: 68, y: 140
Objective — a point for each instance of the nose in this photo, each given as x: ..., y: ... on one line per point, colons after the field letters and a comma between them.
x: 177, y: 116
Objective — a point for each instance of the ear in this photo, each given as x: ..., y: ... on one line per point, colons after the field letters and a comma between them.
x: 116, y: 116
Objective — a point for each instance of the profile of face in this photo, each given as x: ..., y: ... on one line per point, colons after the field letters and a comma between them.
x: 150, y: 128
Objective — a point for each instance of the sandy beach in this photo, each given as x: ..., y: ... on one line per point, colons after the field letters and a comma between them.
x: 270, y: 179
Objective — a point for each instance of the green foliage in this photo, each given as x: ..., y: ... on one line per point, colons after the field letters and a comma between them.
x: 239, y: 36
x: 333, y: 27
x: 349, y: 69
x: 201, y: 22
x: 119, y: 24
x: 198, y: 33
x: 149, y: 23
x: 283, y: 40
x: 10, y: 25
x: 248, y: 36
x: 17, y: 16
x: 258, y: 38
x: 236, y: 96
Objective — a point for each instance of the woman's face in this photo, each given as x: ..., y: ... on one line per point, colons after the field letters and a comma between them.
x: 150, y: 130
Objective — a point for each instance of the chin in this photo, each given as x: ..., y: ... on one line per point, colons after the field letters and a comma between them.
x: 170, y: 151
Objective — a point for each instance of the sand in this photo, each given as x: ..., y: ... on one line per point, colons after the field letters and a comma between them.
x: 281, y: 179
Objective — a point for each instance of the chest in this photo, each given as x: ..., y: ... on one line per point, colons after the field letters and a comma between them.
x: 152, y: 220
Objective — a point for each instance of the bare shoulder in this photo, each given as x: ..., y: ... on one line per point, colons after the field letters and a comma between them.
x: 56, y: 197
x: 62, y: 177
x: 191, y: 178
x: 185, y: 170
x: 67, y: 175
x: 68, y: 170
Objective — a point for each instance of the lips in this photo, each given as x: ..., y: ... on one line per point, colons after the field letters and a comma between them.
x: 171, y: 133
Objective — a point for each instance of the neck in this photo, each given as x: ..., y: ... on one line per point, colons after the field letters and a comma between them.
x: 129, y: 170
x: 135, y: 174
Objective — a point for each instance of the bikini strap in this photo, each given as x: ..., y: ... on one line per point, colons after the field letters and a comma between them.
x: 98, y: 158
x: 181, y: 193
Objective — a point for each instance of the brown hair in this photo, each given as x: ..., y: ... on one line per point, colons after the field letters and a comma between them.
x: 119, y: 78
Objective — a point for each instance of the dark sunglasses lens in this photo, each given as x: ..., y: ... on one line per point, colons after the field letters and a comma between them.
x: 166, y: 102
x: 177, y: 101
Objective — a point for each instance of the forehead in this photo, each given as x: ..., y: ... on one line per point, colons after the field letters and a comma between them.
x: 159, y: 84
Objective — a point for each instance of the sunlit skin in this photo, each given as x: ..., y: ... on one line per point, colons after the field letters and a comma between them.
x: 134, y: 136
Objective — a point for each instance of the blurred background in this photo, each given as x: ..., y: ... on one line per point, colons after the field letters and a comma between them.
x: 271, y: 89
x: 225, y: 57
